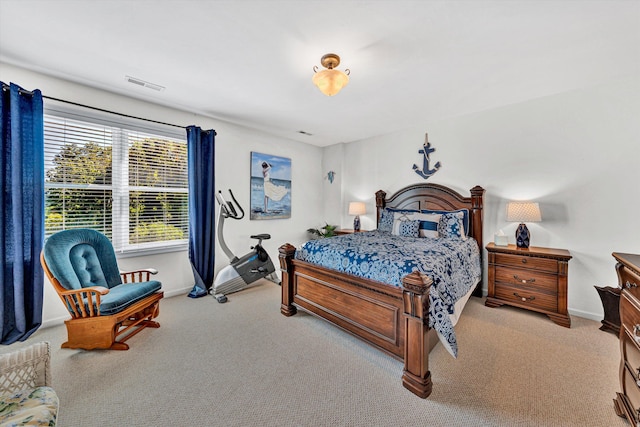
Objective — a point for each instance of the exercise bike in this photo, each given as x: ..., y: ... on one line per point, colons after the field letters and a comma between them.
x: 241, y: 272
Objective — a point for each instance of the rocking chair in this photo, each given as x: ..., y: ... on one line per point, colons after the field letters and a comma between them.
x: 107, y: 306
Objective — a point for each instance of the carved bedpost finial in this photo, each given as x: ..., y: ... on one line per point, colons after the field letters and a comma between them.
x: 417, y: 282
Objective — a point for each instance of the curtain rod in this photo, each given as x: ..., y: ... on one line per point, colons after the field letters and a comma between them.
x: 26, y: 92
x: 111, y: 112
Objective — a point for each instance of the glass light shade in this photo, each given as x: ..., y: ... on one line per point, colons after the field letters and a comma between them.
x: 331, y: 81
x: 357, y: 208
x: 523, y: 212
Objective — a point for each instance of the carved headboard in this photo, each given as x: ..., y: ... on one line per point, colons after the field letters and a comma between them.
x: 437, y: 197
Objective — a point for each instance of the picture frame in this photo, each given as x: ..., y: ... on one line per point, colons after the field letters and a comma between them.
x: 270, y: 186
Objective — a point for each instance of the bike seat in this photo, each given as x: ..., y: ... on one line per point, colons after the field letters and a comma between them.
x: 261, y: 236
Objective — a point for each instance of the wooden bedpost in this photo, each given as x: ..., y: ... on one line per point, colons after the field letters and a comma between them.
x: 380, y: 204
x: 286, y: 253
x: 477, y: 214
x: 415, y: 295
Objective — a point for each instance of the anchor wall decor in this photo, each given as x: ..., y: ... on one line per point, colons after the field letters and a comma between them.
x: 426, y: 172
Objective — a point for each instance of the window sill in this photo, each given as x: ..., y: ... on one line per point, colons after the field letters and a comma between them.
x: 138, y: 252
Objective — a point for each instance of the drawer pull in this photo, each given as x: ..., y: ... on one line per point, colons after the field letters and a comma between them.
x: 531, y: 298
x: 629, y: 285
x: 525, y: 281
x: 636, y: 333
x: 638, y: 377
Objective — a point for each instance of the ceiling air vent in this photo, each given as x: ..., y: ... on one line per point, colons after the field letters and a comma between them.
x: 142, y: 83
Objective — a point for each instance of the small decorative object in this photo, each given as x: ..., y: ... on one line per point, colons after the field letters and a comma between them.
x: 426, y: 171
x: 270, y: 186
x: 330, y: 81
x: 357, y: 209
x: 523, y: 212
x: 326, y: 231
x: 500, y: 239
x: 330, y: 176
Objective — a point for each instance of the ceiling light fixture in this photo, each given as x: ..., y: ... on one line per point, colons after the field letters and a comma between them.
x: 330, y: 81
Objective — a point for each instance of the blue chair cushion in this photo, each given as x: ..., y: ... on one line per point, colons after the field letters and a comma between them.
x: 126, y: 294
x: 81, y: 258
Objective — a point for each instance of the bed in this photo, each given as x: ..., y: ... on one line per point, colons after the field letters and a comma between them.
x: 393, y: 318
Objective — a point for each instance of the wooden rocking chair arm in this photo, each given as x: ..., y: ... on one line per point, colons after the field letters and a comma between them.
x: 85, y: 291
x: 143, y: 270
x: 142, y: 275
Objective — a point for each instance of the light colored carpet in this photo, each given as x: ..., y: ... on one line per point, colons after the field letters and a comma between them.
x: 244, y: 364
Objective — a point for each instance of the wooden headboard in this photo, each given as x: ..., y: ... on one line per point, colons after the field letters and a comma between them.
x: 437, y: 197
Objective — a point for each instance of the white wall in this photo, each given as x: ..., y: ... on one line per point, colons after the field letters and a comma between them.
x: 576, y: 153
x: 233, y: 147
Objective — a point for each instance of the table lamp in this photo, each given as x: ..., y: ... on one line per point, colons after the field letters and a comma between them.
x: 357, y: 209
x: 523, y: 212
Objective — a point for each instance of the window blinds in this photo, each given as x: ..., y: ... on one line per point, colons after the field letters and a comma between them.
x: 130, y: 185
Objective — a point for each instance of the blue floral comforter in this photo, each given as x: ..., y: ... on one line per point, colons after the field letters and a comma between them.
x: 452, y: 264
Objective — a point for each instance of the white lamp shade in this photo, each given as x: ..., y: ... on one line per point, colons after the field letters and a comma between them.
x: 330, y: 82
x: 523, y: 212
x: 357, y: 208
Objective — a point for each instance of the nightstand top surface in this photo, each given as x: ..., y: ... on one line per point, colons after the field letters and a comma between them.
x: 531, y: 251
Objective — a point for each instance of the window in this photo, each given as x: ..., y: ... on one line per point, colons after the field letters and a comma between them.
x: 127, y: 183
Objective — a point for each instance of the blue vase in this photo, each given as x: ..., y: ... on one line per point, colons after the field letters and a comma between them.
x: 522, y: 236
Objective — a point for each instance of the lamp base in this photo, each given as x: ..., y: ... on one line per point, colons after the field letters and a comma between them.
x: 356, y: 223
x: 522, y: 237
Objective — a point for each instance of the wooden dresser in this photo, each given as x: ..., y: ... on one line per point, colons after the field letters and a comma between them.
x: 627, y: 402
x: 533, y: 278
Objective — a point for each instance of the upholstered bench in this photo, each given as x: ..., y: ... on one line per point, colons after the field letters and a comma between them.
x: 26, y: 397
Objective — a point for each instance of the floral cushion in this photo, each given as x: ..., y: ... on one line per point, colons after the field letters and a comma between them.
x: 32, y: 407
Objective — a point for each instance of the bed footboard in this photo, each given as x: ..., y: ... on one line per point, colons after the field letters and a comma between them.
x: 393, y: 319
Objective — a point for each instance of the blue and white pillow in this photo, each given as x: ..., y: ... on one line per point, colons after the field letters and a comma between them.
x: 388, y: 216
x: 429, y: 225
x: 451, y: 226
x: 408, y: 228
x: 465, y: 219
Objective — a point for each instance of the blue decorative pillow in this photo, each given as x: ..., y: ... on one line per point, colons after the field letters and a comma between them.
x: 387, y: 217
x: 409, y: 228
x: 451, y: 226
x: 465, y: 219
x: 429, y: 225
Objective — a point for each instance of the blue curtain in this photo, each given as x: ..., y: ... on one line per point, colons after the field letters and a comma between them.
x: 22, y: 218
x: 201, y: 164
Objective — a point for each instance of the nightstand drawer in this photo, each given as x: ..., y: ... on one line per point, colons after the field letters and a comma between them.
x: 630, y: 312
x: 530, y: 263
x: 630, y: 389
x: 518, y: 277
x: 526, y: 297
x: 632, y: 354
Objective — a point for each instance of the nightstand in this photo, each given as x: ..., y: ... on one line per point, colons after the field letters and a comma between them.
x: 534, y: 279
x: 342, y: 231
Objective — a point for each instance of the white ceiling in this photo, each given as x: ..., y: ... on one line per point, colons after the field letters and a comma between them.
x: 251, y: 62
